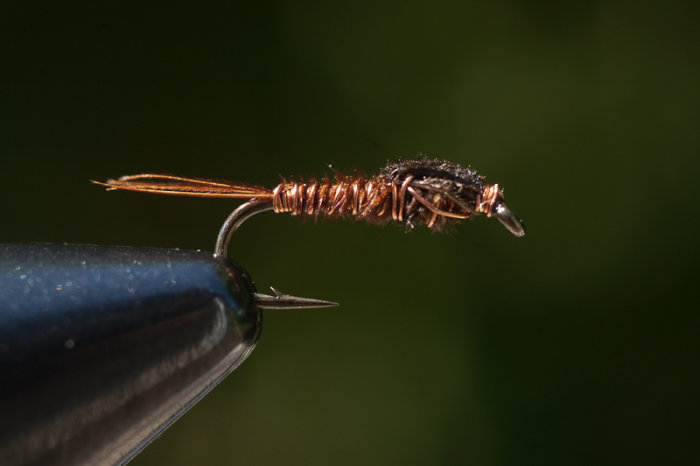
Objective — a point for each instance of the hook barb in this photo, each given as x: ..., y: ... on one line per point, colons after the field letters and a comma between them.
x: 263, y: 301
x: 285, y: 301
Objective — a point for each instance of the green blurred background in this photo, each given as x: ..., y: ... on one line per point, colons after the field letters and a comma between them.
x: 577, y: 344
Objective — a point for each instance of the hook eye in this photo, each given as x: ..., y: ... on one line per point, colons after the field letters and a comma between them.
x: 509, y: 220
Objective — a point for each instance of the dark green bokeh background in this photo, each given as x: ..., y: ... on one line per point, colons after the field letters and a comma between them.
x: 577, y: 344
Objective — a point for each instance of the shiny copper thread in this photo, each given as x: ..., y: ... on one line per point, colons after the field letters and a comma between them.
x: 376, y: 200
x: 487, y: 199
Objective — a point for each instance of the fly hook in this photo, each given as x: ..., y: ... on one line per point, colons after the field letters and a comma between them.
x: 434, y: 193
x: 264, y: 301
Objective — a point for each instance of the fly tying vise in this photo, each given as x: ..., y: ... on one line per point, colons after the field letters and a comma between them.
x: 428, y: 192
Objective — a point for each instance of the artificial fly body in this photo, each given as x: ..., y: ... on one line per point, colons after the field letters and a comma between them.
x: 414, y: 192
x: 434, y: 193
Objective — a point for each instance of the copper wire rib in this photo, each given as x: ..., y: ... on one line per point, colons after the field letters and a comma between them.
x: 428, y: 192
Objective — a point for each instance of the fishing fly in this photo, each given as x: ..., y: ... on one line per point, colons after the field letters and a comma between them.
x: 434, y: 193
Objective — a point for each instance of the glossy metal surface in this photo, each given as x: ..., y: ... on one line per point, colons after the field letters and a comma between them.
x: 101, y: 348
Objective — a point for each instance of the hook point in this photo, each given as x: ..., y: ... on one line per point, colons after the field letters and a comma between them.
x: 285, y: 301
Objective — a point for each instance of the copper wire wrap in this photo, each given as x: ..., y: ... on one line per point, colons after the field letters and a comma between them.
x: 377, y: 200
x: 358, y: 197
x: 486, y: 200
